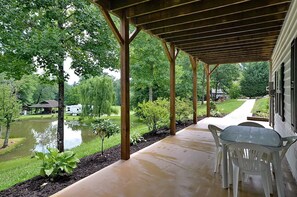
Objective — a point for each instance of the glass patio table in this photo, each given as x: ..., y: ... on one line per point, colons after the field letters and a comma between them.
x: 261, y: 136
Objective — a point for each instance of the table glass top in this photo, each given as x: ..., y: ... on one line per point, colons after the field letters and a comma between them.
x: 255, y: 135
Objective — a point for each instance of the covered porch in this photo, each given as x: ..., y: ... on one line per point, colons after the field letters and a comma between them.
x: 180, y: 165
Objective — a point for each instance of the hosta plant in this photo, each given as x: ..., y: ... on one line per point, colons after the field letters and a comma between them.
x: 55, y: 163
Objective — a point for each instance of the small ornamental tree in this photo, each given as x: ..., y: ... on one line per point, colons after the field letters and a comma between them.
x: 154, y: 113
x: 9, y: 108
x: 104, y: 128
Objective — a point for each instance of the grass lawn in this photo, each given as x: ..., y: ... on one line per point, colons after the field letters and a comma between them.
x: 12, y: 143
x: 223, y: 107
x: 261, y: 107
x: 19, y: 170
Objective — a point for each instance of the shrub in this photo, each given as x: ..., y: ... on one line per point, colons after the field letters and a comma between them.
x: 136, y: 138
x: 234, y: 91
x: 213, y: 106
x: 55, y: 163
x: 154, y: 113
x: 104, y: 128
x: 183, y: 109
x: 114, y: 110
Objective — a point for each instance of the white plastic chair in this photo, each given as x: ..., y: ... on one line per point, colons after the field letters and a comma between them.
x: 251, y: 124
x: 215, y: 131
x: 287, y: 142
x: 251, y: 159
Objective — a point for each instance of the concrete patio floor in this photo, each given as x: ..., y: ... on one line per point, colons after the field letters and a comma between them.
x: 180, y: 165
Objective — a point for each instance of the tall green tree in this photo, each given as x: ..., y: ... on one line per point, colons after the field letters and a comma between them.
x: 9, y: 107
x: 96, y: 96
x: 71, y: 94
x: 51, y: 31
x: 255, y: 78
x: 149, y: 69
x: 223, y: 77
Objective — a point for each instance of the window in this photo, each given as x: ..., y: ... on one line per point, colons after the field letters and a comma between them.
x: 293, y: 85
x: 280, y: 92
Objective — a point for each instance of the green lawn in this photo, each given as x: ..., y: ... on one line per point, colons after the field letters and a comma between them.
x: 261, y: 107
x: 12, y: 144
x: 15, y: 171
x: 223, y: 107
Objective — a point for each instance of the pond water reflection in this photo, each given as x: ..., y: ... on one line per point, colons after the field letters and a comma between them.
x: 41, y: 134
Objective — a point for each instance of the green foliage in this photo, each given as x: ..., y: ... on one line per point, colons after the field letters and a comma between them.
x: 55, y: 163
x: 234, y: 91
x: 104, y: 128
x: 213, y: 105
x: 96, y: 96
x: 149, y: 69
x: 224, y: 75
x: 255, y: 79
x: 9, y: 107
x: 261, y: 107
x: 154, y: 113
x: 115, y: 110
x: 71, y: 94
x: 135, y: 138
x: 183, y: 109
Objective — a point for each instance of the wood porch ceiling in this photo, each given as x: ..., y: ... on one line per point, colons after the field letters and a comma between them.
x: 214, y: 31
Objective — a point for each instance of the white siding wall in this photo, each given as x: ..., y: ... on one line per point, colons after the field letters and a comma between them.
x: 282, y: 53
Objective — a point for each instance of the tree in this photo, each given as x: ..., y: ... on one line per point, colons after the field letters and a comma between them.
x: 149, y: 69
x: 9, y: 107
x: 223, y: 76
x: 48, y: 32
x: 71, y: 94
x: 96, y: 96
x: 104, y: 129
x: 27, y: 86
x: 255, y: 79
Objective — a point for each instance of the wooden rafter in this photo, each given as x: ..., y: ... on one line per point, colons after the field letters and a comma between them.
x: 213, y: 69
x: 134, y: 34
x: 111, y: 24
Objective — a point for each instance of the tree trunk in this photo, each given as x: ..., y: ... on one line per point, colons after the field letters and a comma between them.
x: 203, y: 88
x: 216, y: 92
x: 5, y: 144
x: 150, y: 94
x: 102, y: 142
x: 60, y: 131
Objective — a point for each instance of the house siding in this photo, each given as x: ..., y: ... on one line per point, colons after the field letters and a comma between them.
x: 282, y: 54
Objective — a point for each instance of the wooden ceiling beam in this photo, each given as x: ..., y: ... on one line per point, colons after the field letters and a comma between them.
x: 239, y: 9
x: 225, y: 33
x: 223, y: 44
x: 217, y: 21
x: 272, y: 31
x: 223, y: 47
x: 232, y: 53
x: 120, y: 4
x: 237, y: 60
x: 241, y: 38
x: 153, y: 6
x: 228, y: 32
x: 178, y: 9
x: 227, y: 27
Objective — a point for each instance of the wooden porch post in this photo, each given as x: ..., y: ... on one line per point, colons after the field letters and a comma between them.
x: 125, y: 89
x: 124, y: 40
x: 207, y: 90
x: 171, y: 55
x: 194, y: 71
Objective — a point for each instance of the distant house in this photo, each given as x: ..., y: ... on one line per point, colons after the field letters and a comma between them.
x: 45, y: 107
x: 74, y: 109
x: 220, y: 94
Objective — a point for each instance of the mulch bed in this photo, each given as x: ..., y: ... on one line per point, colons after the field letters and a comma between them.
x: 41, y: 186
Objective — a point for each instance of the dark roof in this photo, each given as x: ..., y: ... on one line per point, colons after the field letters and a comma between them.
x: 46, y: 104
x: 214, y: 31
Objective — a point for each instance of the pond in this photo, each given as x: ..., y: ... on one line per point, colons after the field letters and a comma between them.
x: 42, y: 133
